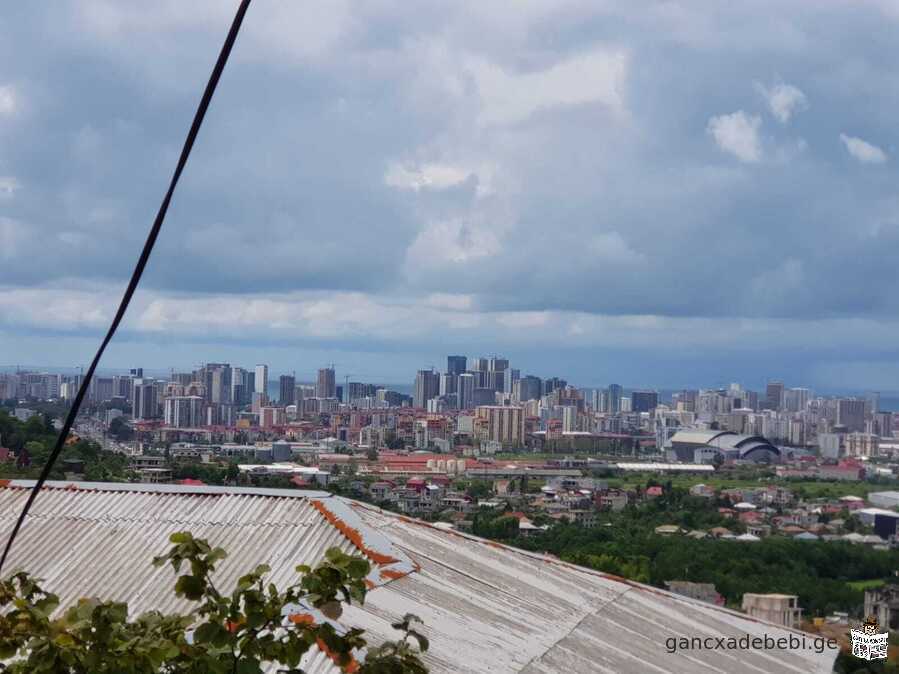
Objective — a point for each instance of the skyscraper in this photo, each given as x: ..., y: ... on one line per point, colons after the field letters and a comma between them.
x: 465, y: 390
x: 326, y: 386
x: 529, y: 388
x: 261, y: 382
x: 427, y: 386
x: 851, y: 414
x: 774, y: 395
x: 478, y: 367
x: 287, y: 386
x: 501, y: 424
x: 218, y: 385
x: 644, y: 401
x: 613, y: 399
x: 448, y: 383
x: 496, y: 373
x: 455, y: 365
x: 144, y: 397
x: 242, y: 385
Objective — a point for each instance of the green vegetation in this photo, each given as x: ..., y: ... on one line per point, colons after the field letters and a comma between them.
x: 824, y: 574
x: 809, y: 489
x: 866, y: 584
x: 33, y: 440
x: 120, y: 430
x: 222, y: 634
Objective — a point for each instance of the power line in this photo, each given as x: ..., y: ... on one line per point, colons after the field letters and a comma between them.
x: 138, y: 269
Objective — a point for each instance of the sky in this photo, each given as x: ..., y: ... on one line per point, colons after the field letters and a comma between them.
x: 654, y: 193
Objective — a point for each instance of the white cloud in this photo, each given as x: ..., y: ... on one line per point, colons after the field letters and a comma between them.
x: 737, y: 134
x: 611, y: 247
x: 437, y: 176
x: 8, y: 186
x: 456, y: 302
x: 53, y: 308
x: 595, y: 77
x: 862, y: 150
x: 8, y: 100
x: 783, y: 100
x: 454, y: 242
x: 12, y: 234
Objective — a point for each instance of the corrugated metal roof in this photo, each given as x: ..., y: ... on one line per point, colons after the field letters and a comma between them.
x: 486, y: 607
x: 698, y: 437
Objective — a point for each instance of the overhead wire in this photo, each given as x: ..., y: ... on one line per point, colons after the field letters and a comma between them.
x: 136, y: 274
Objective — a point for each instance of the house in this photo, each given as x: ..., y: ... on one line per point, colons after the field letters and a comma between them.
x: 780, y: 609
x: 653, y: 492
x: 760, y: 530
x: 883, y: 604
x: 667, y: 529
x: 702, y: 591
x: 98, y: 539
x: 702, y: 490
x: 380, y: 491
x: 852, y: 502
x: 612, y: 499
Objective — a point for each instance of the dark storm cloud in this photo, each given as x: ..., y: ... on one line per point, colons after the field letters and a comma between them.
x: 569, y: 159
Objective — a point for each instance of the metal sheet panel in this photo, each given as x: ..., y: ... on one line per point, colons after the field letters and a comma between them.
x: 485, y: 607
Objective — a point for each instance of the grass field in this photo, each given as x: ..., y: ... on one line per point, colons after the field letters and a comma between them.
x: 865, y: 584
x: 806, y: 488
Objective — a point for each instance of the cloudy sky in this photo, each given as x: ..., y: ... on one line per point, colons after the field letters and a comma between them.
x: 655, y: 193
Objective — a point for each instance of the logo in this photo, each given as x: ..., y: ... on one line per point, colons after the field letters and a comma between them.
x: 868, y: 643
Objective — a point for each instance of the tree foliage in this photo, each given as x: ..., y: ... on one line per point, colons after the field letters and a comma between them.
x: 238, y: 632
x: 817, y: 571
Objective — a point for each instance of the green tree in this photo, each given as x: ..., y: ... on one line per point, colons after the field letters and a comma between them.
x: 121, y: 430
x: 222, y: 634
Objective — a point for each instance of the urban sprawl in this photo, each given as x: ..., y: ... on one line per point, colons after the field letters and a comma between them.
x: 623, y: 481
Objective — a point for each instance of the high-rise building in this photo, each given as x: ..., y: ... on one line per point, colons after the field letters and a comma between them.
x: 427, y: 386
x: 644, y: 401
x: 851, y: 414
x: 529, y: 388
x: 478, y: 367
x: 287, y: 385
x: 510, y: 378
x: 553, y: 384
x: 872, y: 399
x: 243, y: 384
x: 774, y: 395
x: 144, y: 399
x: 501, y: 424
x: 465, y: 390
x: 260, y: 383
x: 448, y: 383
x: 101, y: 389
x: 496, y: 373
x: 613, y: 398
x: 456, y: 365
x: 184, y: 411
x: 796, y: 399
x: 326, y: 385
x: 218, y: 383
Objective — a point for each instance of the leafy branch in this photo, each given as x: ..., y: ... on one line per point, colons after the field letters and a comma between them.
x: 254, y: 625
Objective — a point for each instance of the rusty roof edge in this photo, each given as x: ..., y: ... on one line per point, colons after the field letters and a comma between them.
x: 389, y: 562
x: 205, y: 489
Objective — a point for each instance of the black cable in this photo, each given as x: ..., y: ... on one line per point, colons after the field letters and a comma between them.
x: 138, y: 269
